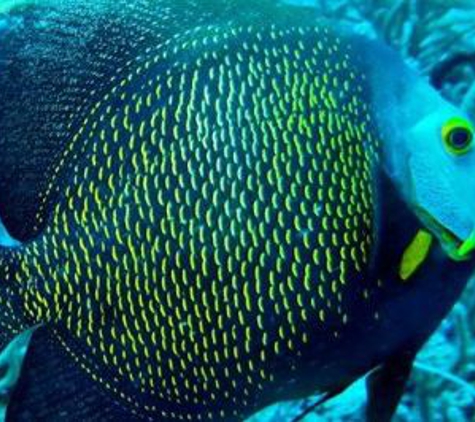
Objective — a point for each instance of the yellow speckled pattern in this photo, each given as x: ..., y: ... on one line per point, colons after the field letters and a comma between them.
x: 216, y: 207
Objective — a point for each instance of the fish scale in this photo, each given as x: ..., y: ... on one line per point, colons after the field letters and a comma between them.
x: 216, y: 211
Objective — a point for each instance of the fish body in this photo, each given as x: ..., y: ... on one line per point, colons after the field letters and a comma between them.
x: 220, y: 232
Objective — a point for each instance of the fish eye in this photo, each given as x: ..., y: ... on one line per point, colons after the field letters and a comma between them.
x: 458, y: 135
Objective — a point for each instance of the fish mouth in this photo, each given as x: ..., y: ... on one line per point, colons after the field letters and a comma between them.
x: 458, y: 249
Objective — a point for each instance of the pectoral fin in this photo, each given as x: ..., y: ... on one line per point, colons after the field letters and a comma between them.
x: 385, y: 387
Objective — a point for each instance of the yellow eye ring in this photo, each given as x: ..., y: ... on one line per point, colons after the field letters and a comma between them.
x: 458, y: 135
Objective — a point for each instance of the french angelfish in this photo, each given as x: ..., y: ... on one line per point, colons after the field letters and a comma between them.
x: 210, y: 208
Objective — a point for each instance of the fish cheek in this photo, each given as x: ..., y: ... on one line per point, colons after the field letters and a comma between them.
x: 433, y: 194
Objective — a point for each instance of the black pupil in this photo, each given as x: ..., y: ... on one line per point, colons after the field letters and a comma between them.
x: 460, y: 138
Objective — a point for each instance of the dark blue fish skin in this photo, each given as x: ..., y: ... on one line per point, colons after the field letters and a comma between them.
x: 215, y: 232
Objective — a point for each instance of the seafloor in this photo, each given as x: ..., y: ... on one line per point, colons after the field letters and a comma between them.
x: 437, y: 37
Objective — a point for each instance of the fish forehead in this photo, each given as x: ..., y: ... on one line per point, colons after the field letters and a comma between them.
x: 216, y: 216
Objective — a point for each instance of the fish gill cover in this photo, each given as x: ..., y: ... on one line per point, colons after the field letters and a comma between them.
x: 206, y: 303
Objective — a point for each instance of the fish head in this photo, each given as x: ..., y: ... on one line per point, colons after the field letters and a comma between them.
x: 439, y: 154
x: 428, y: 148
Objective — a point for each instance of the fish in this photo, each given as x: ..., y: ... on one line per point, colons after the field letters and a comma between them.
x: 209, y: 207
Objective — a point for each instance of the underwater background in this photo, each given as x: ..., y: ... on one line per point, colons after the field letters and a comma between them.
x: 438, y: 38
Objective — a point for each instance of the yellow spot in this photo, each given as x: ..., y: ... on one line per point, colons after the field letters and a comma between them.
x: 415, y: 254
